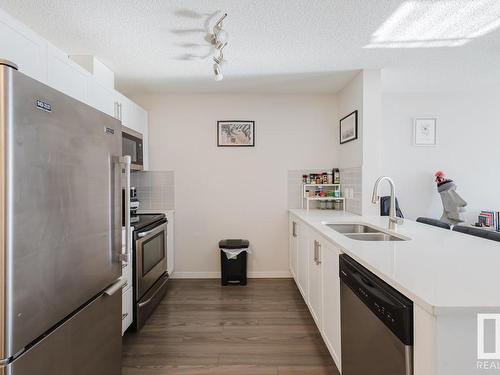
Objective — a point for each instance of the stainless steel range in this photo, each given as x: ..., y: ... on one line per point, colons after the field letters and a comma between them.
x: 149, y: 265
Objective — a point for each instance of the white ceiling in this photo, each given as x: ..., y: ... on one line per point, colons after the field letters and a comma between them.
x: 276, y: 45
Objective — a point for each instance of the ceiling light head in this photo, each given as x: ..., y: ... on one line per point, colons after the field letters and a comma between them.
x: 222, y: 37
x: 219, y: 39
x: 218, y: 72
x: 218, y: 24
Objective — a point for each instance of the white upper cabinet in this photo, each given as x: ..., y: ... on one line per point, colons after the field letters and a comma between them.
x: 88, y: 81
x: 100, y: 97
x: 23, y: 47
x: 66, y: 76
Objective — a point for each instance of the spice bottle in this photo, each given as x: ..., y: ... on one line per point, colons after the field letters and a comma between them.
x: 329, y: 177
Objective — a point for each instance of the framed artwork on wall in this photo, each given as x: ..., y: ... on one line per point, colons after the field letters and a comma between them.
x: 425, y: 131
x: 235, y: 133
x: 349, y: 127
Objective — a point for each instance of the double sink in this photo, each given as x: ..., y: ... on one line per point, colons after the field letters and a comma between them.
x: 364, y: 232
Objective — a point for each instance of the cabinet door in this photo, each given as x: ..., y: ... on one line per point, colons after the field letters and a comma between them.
x: 315, y: 279
x: 302, y: 261
x: 100, y: 97
x: 66, y: 76
x: 331, y: 299
x: 293, y: 245
x: 23, y: 47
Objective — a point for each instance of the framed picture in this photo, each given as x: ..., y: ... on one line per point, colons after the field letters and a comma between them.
x: 349, y: 127
x: 235, y: 133
x: 424, y: 131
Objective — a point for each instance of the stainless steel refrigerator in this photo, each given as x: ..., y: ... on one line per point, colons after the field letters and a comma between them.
x: 60, y: 232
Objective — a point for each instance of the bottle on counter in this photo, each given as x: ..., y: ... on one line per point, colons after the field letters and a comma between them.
x: 336, y: 176
x: 318, y: 179
x: 305, y: 178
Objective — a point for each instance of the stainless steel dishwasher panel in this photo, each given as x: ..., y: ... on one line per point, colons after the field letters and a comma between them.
x: 368, y: 346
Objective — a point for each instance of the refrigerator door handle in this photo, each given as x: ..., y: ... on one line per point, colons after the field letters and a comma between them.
x: 126, y: 161
x: 115, y: 287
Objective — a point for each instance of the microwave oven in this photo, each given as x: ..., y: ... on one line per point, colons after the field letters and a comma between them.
x: 132, y: 145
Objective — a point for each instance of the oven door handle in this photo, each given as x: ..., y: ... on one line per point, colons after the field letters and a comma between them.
x: 158, y: 229
x: 142, y: 304
x: 144, y: 234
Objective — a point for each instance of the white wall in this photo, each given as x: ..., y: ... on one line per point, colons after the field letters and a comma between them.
x: 350, y: 99
x: 237, y: 192
x: 468, y: 151
x: 359, y: 160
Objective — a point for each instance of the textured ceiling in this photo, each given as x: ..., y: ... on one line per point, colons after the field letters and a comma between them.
x: 274, y: 45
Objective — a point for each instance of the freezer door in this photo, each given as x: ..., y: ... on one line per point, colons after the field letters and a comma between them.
x: 60, y: 186
x: 89, y: 343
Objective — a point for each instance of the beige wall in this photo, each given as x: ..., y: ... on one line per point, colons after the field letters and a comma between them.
x: 237, y: 192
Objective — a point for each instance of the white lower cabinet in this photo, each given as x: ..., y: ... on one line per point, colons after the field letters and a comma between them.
x: 302, y: 278
x: 127, y: 291
x: 331, y: 300
x: 317, y: 277
x: 127, y: 315
x: 293, y: 245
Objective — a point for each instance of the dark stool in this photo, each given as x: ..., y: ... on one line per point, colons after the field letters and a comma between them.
x: 234, y: 270
x: 434, y: 222
x: 471, y: 231
x: 494, y: 236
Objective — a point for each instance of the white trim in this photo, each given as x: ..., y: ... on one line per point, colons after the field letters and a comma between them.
x: 216, y: 275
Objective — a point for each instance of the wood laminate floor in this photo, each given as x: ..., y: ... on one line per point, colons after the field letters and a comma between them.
x: 263, y: 328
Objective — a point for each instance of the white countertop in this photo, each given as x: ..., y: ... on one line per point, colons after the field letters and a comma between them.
x: 438, y: 269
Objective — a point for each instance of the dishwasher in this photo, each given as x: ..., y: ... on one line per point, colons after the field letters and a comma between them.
x: 376, y: 324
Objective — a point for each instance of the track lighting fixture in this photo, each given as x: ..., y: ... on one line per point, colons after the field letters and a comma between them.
x: 218, y: 72
x: 219, y: 40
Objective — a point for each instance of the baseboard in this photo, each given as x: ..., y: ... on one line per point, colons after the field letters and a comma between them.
x: 216, y: 275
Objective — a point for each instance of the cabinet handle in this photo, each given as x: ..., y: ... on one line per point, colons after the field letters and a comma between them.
x: 294, y: 229
x: 318, y: 257
x: 315, y: 251
x: 124, y: 316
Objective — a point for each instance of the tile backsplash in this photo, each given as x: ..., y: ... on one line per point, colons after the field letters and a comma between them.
x: 155, y: 189
x: 295, y: 186
x: 352, y: 187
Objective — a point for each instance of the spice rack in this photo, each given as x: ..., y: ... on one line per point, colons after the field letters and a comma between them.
x: 328, y: 189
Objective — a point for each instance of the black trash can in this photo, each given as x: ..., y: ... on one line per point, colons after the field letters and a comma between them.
x: 234, y: 270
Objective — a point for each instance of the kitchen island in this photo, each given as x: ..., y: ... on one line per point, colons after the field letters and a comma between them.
x: 450, y: 277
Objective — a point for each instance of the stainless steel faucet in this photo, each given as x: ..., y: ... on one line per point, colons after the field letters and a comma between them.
x: 393, y: 219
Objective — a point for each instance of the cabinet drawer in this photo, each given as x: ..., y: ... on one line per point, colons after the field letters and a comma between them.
x: 126, y: 309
